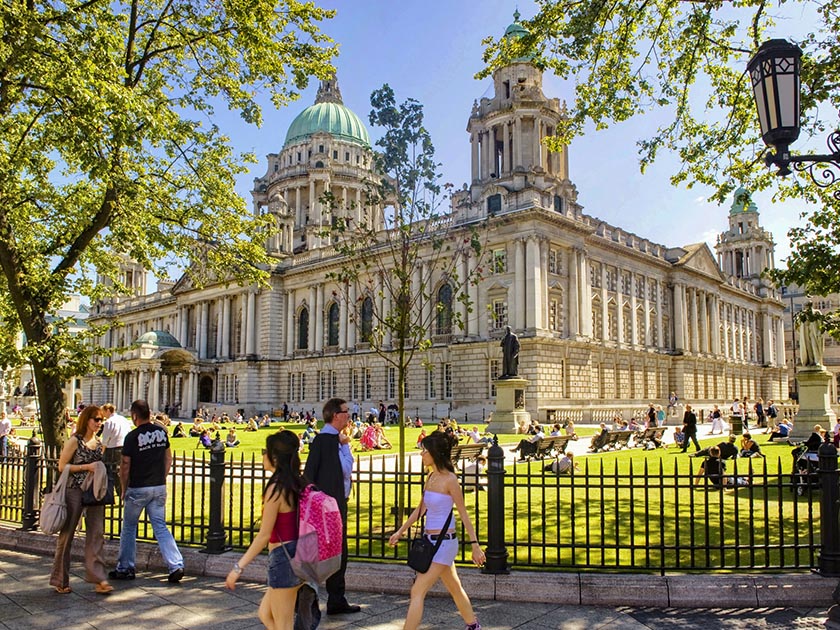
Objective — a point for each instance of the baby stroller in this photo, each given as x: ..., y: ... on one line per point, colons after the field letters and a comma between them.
x: 805, y: 471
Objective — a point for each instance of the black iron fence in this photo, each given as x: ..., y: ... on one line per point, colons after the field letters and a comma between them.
x: 610, y: 515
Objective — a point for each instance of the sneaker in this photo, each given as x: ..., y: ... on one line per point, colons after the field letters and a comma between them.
x: 473, y: 626
x: 176, y: 576
x: 119, y: 574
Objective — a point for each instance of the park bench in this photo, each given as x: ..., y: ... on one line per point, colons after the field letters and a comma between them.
x: 549, y: 445
x: 466, y: 451
x: 615, y: 440
x: 649, y: 436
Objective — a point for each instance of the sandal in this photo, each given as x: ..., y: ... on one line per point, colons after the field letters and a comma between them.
x: 63, y: 589
x: 104, y: 587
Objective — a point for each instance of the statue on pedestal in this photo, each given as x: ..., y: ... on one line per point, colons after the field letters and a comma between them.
x: 811, y: 345
x: 510, y: 354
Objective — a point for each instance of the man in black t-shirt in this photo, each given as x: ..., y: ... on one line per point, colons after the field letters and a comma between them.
x: 146, y: 459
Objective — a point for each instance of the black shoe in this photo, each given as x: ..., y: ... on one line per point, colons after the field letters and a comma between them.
x: 344, y: 609
x: 176, y: 576
x: 117, y: 574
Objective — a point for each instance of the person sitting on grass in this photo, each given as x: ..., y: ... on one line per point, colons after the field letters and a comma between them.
x: 381, y: 440
x: 308, y: 435
x: 369, y: 440
x: 252, y: 424
x: 179, y: 431
x: 679, y: 437
x: 782, y: 431
x: 420, y: 438
x: 563, y: 464
x: 476, y: 437
x: 204, y: 439
x: 196, y: 428
x: 712, y: 469
x: 749, y: 447
x: 231, y: 441
x: 727, y: 449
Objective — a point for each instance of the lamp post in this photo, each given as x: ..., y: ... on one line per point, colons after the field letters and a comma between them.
x: 775, y: 76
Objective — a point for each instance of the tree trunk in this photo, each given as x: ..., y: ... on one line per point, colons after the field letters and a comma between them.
x: 49, y: 387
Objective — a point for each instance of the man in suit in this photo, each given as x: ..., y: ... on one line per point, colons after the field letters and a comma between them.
x: 690, y: 429
x: 330, y: 467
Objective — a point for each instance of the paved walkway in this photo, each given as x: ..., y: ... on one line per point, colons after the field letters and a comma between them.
x: 202, y: 603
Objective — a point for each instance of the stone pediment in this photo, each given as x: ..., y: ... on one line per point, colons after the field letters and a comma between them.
x: 699, y: 257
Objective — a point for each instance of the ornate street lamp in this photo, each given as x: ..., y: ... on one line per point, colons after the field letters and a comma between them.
x: 774, y: 72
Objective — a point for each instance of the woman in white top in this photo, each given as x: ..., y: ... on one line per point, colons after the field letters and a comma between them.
x: 441, y: 494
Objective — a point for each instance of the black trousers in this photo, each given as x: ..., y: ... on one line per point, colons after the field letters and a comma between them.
x: 335, y: 584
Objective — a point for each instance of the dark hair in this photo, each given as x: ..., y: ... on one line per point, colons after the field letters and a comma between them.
x: 82, y: 422
x: 282, y: 449
x: 332, y: 407
x: 141, y: 408
x: 439, y: 444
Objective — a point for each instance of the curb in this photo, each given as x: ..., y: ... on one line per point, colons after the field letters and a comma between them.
x: 562, y: 588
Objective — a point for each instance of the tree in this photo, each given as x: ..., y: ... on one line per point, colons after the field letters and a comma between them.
x: 689, y: 59
x: 108, y: 150
x: 404, y: 258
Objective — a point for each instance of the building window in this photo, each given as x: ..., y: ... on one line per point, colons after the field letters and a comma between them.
x: 431, y: 390
x: 444, y: 310
x: 558, y: 203
x: 367, y: 384
x: 322, y: 385
x: 654, y: 330
x: 333, y: 384
x: 626, y: 281
x: 494, y: 204
x: 500, y: 318
x: 640, y: 287
x: 347, y: 156
x: 303, y: 329
x: 627, y: 325
x: 641, y: 325
x: 652, y: 290
x: 291, y: 390
x: 335, y: 155
x: 597, y: 318
x: 555, y: 313
x: 320, y: 148
x: 354, y: 386
x: 302, y: 378
x: 447, y: 380
x: 367, y: 319
x: 612, y: 320
x: 493, y: 375
x: 392, y: 383
x: 499, y: 262
x: 612, y: 279
x: 332, y: 333
x: 595, y: 275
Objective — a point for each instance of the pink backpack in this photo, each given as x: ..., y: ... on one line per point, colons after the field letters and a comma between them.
x: 320, y: 536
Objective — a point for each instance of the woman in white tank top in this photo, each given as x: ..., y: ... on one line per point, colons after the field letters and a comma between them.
x: 441, y: 494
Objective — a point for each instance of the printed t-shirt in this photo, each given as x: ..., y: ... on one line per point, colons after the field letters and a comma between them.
x: 146, y: 446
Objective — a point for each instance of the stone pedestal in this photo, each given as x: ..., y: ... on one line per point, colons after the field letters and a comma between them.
x: 510, y: 415
x: 814, y: 401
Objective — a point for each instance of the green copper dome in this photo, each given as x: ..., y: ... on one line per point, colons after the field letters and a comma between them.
x: 328, y: 115
x: 517, y: 31
x: 742, y: 202
x: 159, y: 338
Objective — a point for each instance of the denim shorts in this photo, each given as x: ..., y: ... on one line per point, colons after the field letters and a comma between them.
x: 280, y: 574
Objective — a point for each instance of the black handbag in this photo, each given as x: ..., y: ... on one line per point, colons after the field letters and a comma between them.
x: 89, y: 499
x: 421, y: 551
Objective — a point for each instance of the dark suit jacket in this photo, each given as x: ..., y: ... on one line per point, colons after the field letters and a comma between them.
x: 323, y: 467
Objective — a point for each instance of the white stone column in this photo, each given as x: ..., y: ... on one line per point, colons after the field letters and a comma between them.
x: 517, y: 143
x: 647, y: 341
x: 715, y: 325
x: 695, y: 338
x: 204, y: 309
x: 585, y: 295
x: 619, y: 313
x: 660, y: 305
x: 290, y: 322
x: 543, y: 301
x: 781, y: 359
x: 767, y: 339
x: 485, y: 154
x: 154, y: 388
x: 474, y: 145
x: 183, y: 314
x: 518, y: 310
x: 478, y: 309
x: 342, y: 320
x: 352, y: 315
x: 219, y: 330
x: 506, y: 147
x: 319, y: 318
x: 532, y: 280
x: 251, y: 339
x: 463, y: 271
x: 634, y: 323
x: 679, y: 318
x: 313, y: 306
x: 605, y: 331
x: 226, y: 327
x: 704, y: 322
x: 574, y: 294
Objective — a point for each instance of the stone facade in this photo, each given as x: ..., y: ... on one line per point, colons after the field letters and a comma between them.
x: 606, y: 318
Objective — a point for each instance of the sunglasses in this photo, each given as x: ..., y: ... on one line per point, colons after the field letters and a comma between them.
x: 98, y: 419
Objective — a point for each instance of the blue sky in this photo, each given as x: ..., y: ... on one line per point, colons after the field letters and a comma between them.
x: 431, y: 51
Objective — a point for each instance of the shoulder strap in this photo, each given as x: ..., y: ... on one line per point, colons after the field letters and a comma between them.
x: 443, y: 531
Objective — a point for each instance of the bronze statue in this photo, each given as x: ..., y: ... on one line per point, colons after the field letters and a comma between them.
x: 510, y: 354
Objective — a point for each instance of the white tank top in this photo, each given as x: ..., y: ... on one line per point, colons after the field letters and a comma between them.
x: 438, y: 507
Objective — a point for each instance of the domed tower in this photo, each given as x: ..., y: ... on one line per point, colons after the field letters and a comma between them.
x: 746, y: 249
x: 327, y: 150
x: 507, y: 132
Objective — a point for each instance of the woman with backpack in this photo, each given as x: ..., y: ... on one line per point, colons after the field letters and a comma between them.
x: 278, y: 528
x: 441, y: 494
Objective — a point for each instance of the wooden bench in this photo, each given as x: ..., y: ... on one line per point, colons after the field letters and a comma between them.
x: 549, y: 445
x: 614, y: 440
x: 466, y: 451
x: 650, y: 436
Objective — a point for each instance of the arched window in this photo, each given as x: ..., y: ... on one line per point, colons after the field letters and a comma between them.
x: 367, y: 319
x: 444, y: 310
x: 303, y: 329
x: 332, y: 334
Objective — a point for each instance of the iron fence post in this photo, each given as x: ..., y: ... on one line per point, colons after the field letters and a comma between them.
x: 497, y: 555
x: 31, y: 485
x: 216, y: 535
x: 829, y: 562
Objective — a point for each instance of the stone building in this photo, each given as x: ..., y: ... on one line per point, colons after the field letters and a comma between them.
x: 607, y: 319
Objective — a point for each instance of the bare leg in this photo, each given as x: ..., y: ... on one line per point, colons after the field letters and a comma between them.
x: 422, y: 583
x: 281, y: 601
x: 450, y: 580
